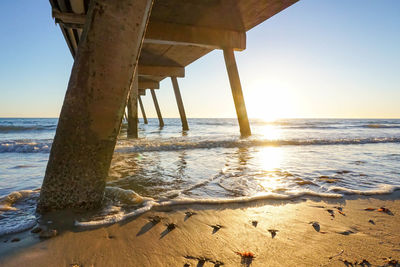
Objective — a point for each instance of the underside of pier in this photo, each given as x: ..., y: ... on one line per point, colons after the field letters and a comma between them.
x: 114, y: 41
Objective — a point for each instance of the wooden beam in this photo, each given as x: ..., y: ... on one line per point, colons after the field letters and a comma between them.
x: 179, y: 102
x: 142, y: 92
x: 133, y: 109
x: 162, y: 71
x: 149, y: 85
x: 160, y: 119
x: 174, y: 34
x: 69, y: 18
x: 179, y: 34
x: 237, y: 93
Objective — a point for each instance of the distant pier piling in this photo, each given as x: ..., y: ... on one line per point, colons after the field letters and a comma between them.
x: 179, y: 102
x: 142, y: 110
x: 160, y: 119
x: 94, y: 105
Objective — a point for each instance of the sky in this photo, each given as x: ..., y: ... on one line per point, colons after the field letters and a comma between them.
x: 315, y: 59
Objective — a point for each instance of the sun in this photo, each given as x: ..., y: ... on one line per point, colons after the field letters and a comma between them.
x: 268, y: 102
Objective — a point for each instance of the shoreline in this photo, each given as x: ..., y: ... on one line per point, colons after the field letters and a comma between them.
x: 139, y: 242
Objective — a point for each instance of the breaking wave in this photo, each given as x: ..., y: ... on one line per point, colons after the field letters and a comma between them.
x: 25, y: 146
x: 128, y: 146
x: 132, y: 146
x: 20, y: 128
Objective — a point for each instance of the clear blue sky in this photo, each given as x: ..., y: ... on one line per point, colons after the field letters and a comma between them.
x: 331, y: 58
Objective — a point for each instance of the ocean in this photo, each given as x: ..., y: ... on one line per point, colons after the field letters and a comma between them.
x: 210, y: 163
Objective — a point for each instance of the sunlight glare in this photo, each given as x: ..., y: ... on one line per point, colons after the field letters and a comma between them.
x: 269, y: 102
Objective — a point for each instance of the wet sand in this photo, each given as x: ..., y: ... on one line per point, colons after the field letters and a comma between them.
x: 301, y: 232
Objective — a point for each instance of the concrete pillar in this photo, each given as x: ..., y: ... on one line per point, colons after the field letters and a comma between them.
x: 160, y: 119
x: 179, y: 101
x: 133, y: 108
x: 94, y: 104
x: 142, y: 109
x: 237, y: 93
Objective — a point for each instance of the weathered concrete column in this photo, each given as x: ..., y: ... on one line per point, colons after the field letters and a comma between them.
x: 160, y: 119
x: 179, y: 101
x: 237, y: 93
x: 142, y: 109
x: 133, y: 108
x: 94, y: 104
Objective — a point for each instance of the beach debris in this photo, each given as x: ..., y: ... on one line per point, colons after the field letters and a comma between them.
x: 216, y: 227
x: 171, y: 226
x: 346, y: 262
x: 331, y: 212
x: 369, y: 209
x: 347, y: 232
x: 318, y: 206
x: 363, y: 262
x: 372, y: 222
x: 340, y: 253
x: 316, y: 226
x: 190, y: 213
x: 273, y: 232
x: 36, y: 230
x: 381, y: 209
x: 341, y: 212
x: 16, y: 239
x: 154, y: 219
x: 246, y: 254
x: 391, y: 262
x: 254, y: 223
x: 48, y: 233
x: 385, y: 210
x: 217, y: 263
x: 202, y: 260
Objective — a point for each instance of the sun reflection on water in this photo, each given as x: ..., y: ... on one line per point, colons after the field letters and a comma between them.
x: 270, y: 159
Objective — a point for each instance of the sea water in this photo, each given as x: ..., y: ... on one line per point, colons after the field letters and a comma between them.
x: 210, y: 163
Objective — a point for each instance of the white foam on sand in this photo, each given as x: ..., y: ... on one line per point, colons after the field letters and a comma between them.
x: 147, y: 204
x: 382, y: 189
x: 17, y: 211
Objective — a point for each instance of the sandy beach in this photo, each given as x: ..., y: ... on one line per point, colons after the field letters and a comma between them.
x: 300, y: 232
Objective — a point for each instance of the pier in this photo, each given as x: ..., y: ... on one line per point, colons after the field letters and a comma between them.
x: 120, y: 50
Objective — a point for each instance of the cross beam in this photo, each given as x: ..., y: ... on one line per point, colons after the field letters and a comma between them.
x: 163, y: 71
x: 149, y: 85
x: 173, y: 34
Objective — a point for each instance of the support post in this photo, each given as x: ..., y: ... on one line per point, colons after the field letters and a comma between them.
x: 237, y: 93
x: 133, y: 109
x: 93, y: 107
x: 179, y: 101
x: 142, y: 109
x: 125, y: 115
x: 160, y: 119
